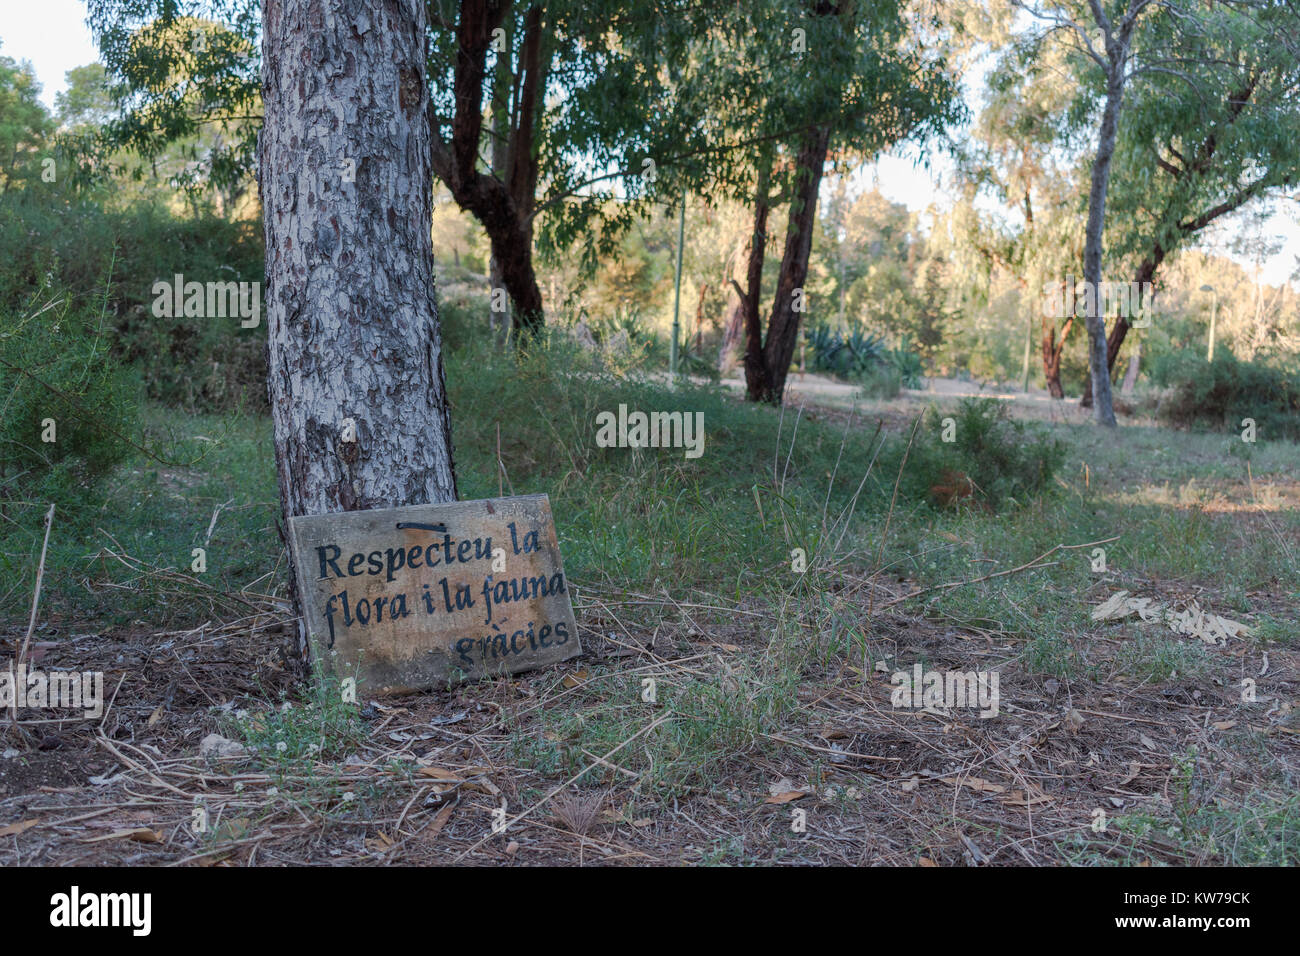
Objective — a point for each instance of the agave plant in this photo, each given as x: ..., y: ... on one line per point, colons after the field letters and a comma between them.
x: 846, y: 356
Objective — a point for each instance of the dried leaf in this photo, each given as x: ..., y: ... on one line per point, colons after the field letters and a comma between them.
x: 440, y: 773
x: 1116, y: 606
x: 439, y: 821
x: 1073, y: 721
x: 787, y: 797
x: 575, y: 679
x: 15, y: 828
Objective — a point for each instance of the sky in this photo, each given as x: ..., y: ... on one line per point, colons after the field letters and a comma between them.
x: 52, y: 34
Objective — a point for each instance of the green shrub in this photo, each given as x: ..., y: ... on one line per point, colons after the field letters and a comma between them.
x: 1219, y: 394
x: 992, y: 461
x: 67, y: 413
x: 881, y: 380
x: 198, y: 364
x: 67, y: 404
x: 848, y: 356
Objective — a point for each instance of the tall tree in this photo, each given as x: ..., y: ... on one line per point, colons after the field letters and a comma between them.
x: 1210, y: 136
x: 567, y: 86
x: 1104, y: 33
x: 795, y: 84
x: 25, y: 124
x: 353, y: 340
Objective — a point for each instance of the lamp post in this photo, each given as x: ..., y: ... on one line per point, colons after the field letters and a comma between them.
x: 1214, y: 310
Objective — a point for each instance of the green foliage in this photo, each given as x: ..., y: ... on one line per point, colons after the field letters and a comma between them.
x: 54, y: 365
x: 880, y: 381
x: 25, y: 124
x: 993, y: 460
x: 194, y: 363
x: 57, y: 381
x: 1219, y: 394
x: 911, y: 370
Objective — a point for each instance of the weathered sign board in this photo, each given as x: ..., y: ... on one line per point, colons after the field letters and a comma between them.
x: 409, y: 598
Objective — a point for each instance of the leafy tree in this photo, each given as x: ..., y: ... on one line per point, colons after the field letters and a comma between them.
x: 25, y: 124
x: 792, y: 84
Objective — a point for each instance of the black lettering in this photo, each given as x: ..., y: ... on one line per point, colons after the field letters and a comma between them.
x: 463, y: 645
x: 396, y: 560
x: 330, y: 561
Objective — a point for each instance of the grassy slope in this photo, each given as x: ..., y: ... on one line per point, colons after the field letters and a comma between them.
x: 717, y: 531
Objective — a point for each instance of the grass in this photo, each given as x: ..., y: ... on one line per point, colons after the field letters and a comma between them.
x: 692, y: 559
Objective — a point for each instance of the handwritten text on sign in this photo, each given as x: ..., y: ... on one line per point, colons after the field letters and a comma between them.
x: 412, y: 597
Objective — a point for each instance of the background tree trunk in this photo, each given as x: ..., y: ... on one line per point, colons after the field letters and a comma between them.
x: 1052, y: 350
x: 1134, y: 366
x: 757, y: 383
x: 783, y: 328
x: 352, y: 324
x: 503, y: 207
x: 1092, y: 253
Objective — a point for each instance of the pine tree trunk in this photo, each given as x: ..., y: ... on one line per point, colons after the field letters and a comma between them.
x: 351, y: 316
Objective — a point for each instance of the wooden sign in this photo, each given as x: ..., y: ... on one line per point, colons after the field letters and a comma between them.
x: 408, y: 598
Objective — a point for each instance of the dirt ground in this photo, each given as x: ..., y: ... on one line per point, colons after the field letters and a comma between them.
x: 875, y: 784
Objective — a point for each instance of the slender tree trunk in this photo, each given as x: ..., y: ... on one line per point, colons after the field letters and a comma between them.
x: 757, y: 383
x: 1134, y: 366
x: 1092, y: 250
x: 502, y: 81
x: 1052, y: 349
x: 1115, y: 340
x: 733, y: 323
x: 783, y: 328
x: 353, y: 340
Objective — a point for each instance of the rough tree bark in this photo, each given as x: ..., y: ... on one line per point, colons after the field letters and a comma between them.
x: 352, y: 321
x: 1052, y: 349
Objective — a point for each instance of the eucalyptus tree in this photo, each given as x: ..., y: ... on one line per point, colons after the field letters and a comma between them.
x: 1012, y: 157
x: 539, y: 112
x: 789, y: 85
x: 1212, y: 134
x: 1210, y: 107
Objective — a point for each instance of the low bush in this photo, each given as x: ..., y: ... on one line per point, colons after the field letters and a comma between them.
x: 1219, y: 394
x: 991, y: 460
